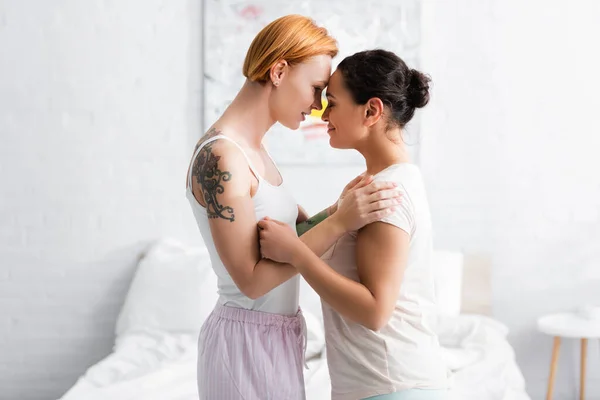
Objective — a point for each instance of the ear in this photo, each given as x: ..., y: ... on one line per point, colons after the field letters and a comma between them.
x: 277, y: 72
x: 373, y: 111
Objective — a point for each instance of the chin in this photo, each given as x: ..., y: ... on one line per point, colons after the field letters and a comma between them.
x: 340, y: 146
x: 293, y: 125
x: 332, y: 143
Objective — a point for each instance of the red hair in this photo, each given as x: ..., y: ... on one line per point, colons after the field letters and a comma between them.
x: 293, y: 38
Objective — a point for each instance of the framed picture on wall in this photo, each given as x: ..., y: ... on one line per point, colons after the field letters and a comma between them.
x: 230, y: 26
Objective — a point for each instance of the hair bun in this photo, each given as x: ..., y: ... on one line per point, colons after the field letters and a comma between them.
x: 418, y: 89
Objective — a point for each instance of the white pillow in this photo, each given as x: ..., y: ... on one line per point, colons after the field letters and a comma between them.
x: 174, y: 289
x: 448, y: 275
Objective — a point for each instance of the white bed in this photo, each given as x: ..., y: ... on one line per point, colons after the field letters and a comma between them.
x: 173, y: 291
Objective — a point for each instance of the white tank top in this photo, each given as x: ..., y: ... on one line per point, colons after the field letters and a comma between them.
x: 276, y: 202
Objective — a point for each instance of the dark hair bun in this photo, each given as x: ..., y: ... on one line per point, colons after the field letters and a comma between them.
x: 418, y: 89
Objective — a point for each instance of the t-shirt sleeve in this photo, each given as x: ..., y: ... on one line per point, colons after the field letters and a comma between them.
x: 403, y: 216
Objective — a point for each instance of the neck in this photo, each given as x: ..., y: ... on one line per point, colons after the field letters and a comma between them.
x: 249, y: 113
x: 380, y: 152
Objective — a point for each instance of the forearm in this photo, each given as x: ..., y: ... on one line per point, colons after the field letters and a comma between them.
x: 323, y: 236
x: 266, y: 276
x: 308, y: 224
x: 349, y: 298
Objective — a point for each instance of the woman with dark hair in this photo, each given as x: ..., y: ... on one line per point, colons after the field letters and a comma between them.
x: 376, y: 283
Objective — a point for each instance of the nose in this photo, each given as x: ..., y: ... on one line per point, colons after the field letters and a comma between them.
x: 317, y: 105
x: 325, y: 116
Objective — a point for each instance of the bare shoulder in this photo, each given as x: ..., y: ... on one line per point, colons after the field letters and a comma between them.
x: 219, y: 154
x: 219, y: 172
x: 211, y: 133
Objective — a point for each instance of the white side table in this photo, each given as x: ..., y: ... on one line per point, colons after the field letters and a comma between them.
x: 568, y: 325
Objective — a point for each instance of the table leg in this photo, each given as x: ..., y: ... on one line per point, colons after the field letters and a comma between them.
x: 553, y: 365
x: 582, y: 369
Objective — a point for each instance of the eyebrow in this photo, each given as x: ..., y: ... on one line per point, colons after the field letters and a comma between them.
x: 330, y: 95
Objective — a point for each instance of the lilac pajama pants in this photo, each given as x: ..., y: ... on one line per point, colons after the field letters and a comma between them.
x: 251, y: 355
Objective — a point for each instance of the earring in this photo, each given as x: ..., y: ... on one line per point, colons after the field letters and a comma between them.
x: 276, y: 83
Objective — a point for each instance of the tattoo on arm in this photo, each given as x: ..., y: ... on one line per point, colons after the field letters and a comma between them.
x: 310, y: 223
x: 209, y: 177
x: 212, y: 132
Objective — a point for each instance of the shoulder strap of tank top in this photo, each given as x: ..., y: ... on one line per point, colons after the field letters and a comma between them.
x: 212, y: 139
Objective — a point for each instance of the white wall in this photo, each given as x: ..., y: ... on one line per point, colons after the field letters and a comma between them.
x: 99, y: 103
x: 509, y: 150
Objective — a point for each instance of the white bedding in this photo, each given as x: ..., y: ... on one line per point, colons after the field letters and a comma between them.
x: 158, y: 365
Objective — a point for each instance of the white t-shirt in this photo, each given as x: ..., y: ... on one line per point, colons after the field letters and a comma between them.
x: 405, y: 353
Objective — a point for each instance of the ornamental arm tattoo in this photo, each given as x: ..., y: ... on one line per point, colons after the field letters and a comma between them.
x: 210, y: 178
